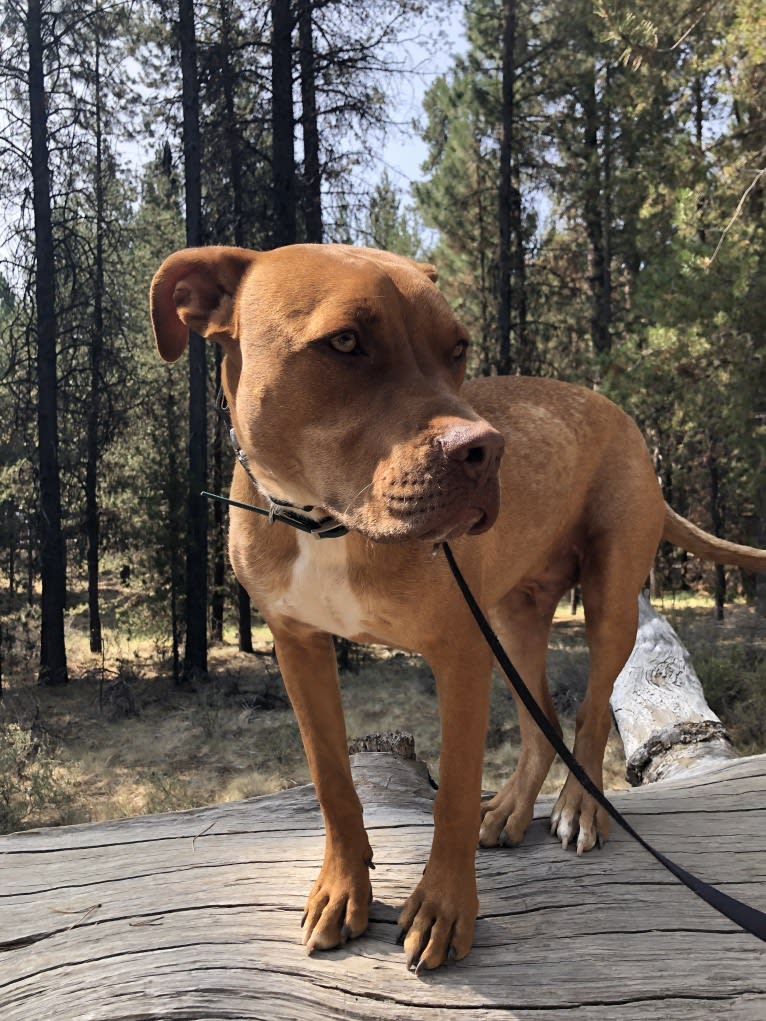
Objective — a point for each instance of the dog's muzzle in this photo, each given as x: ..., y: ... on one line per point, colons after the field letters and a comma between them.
x: 444, y: 490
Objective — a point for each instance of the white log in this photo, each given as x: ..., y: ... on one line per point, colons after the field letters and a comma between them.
x: 659, y: 706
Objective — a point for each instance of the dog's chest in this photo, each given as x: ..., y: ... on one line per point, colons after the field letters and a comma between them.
x: 320, y: 593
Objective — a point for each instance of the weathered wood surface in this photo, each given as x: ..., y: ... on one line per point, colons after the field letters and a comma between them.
x: 195, y: 915
x: 665, y: 723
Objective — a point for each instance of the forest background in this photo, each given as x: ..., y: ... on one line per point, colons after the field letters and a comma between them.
x: 592, y: 192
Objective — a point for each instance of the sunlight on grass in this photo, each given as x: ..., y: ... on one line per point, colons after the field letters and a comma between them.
x: 236, y: 736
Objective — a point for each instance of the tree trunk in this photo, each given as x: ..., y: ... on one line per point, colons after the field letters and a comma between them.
x: 759, y: 524
x: 92, y: 515
x: 245, y: 621
x: 174, y: 503
x: 217, y: 543
x: 716, y: 515
x: 232, y: 125
x: 237, y: 199
x: 659, y: 706
x: 53, y: 665
x: 312, y: 180
x: 195, y: 652
x: 595, y: 201
x: 504, y: 192
x: 282, y: 125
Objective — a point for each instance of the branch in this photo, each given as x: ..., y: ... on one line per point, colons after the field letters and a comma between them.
x: 735, y: 217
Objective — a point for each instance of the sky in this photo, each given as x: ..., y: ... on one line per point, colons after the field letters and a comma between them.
x: 436, y: 40
x: 441, y: 38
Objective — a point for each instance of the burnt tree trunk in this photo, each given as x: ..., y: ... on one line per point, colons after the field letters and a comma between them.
x: 217, y: 538
x: 504, y: 193
x: 716, y: 516
x: 595, y: 207
x: 195, y: 651
x: 312, y: 177
x: 244, y: 622
x: 92, y: 512
x: 53, y: 664
x: 282, y: 125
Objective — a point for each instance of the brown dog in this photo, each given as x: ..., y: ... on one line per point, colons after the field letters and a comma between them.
x: 343, y: 372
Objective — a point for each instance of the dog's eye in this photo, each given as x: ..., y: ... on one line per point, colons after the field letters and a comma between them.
x: 345, y: 342
x: 459, y: 350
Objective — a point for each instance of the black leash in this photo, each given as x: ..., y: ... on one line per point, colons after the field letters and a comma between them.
x: 743, y: 915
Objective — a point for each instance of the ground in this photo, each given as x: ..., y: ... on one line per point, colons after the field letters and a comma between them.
x: 121, y: 739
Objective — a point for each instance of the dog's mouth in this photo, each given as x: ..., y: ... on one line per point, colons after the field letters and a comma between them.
x: 471, y: 521
x: 475, y: 521
x: 434, y: 513
x: 439, y: 487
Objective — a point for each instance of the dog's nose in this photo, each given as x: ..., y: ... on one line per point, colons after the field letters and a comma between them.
x: 477, y: 445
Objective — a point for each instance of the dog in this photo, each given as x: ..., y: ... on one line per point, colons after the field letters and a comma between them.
x: 344, y: 375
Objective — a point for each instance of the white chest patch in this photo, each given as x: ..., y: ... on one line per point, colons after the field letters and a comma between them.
x: 320, y: 593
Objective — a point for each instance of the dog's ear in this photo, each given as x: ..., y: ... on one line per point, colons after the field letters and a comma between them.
x: 195, y: 289
x: 430, y: 270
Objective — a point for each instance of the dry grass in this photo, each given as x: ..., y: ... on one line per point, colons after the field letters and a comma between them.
x: 236, y: 736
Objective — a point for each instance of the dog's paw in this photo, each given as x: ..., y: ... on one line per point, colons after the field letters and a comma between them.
x: 577, y: 816
x: 437, y: 922
x: 505, y: 818
x: 337, y: 907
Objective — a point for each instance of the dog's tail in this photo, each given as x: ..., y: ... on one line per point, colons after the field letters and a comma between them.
x: 683, y: 533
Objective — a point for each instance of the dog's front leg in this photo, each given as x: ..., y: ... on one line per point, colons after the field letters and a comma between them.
x: 440, y: 915
x: 337, y: 907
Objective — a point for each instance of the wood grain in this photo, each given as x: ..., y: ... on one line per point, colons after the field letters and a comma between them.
x: 196, y: 915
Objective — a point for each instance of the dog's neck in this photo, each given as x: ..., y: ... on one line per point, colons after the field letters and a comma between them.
x: 306, y: 518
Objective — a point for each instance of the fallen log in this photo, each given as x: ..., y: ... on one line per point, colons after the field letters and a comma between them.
x: 196, y: 915
x: 667, y: 727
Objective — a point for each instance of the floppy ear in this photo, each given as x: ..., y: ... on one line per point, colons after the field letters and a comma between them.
x: 429, y: 269
x: 195, y: 289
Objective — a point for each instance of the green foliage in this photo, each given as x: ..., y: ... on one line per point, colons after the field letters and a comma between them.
x: 639, y: 134
x: 458, y: 199
x: 387, y: 225
x: 735, y: 687
x: 28, y: 782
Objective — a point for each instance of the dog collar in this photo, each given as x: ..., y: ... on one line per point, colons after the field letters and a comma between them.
x: 278, y: 510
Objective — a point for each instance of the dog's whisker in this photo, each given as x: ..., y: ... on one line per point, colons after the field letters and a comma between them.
x: 353, y: 499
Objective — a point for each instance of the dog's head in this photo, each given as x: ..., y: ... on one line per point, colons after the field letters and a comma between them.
x: 342, y: 372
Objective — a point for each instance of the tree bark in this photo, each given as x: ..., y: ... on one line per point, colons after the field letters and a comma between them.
x: 504, y: 193
x: 195, y: 651
x: 92, y: 514
x: 716, y: 516
x: 759, y: 524
x: 232, y: 124
x: 53, y: 664
x: 659, y: 706
x: 312, y: 179
x: 595, y: 202
x: 282, y: 125
x: 237, y: 198
x: 217, y: 539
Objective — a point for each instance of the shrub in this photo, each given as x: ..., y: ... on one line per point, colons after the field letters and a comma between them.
x: 28, y: 781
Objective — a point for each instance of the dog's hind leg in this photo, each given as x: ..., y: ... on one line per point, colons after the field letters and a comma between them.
x: 523, y: 627
x: 611, y: 579
x: 337, y: 907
